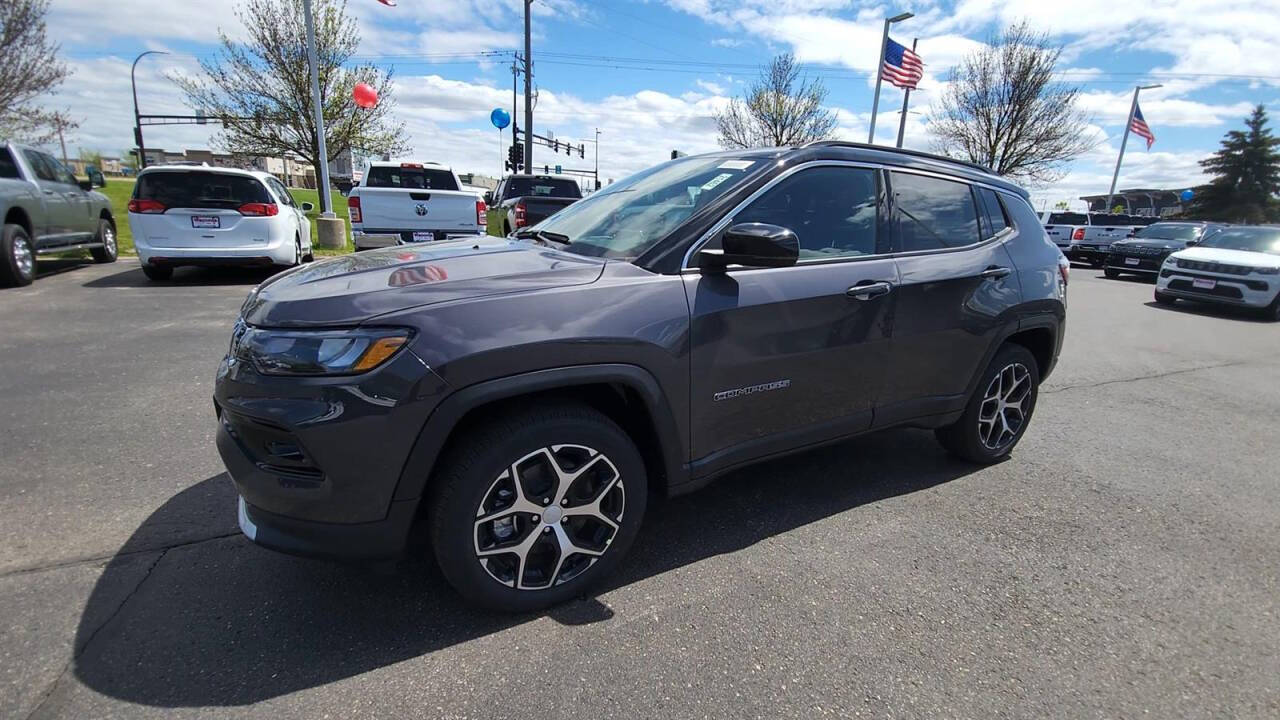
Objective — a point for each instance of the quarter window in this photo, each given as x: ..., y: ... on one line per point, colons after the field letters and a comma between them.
x: 994, y: 220
x: 934, y: 214
x: 834, y: 211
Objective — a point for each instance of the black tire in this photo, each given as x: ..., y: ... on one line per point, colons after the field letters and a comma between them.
x: 506, y: 229
x: 158, y: 273
x: 1111, y: 273
x: 471, y: 472
x: 1095, y: 264
x: 1165, y: 298
x: 17, y: 257
x: 110, y: 249
x: 1272, y: 311
x: 964, y: 438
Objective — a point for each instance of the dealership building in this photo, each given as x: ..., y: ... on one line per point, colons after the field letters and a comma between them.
x: 1153, y: 203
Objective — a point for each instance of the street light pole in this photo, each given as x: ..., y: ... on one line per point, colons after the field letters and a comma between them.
x: 528, y: 91
x: 597, y: 154
x: 322, y: 189
x: 884, y: 42
x: 137, y: 118
x: 1125, y: 141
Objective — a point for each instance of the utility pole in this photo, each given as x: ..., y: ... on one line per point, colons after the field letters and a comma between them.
x: 906, y: 95
x: 528, y: 90
x: 597, y: 153
x: 515, y: 114
x: 323, y: 181
x: 61, y: 141
x: 1125, y: 141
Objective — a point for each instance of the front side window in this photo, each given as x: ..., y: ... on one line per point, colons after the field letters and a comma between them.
x: 834, y: 211
x: 279, y: 189
x: 60, y: 171
x: 934, y: 214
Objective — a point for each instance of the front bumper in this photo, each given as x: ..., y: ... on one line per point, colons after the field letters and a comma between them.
x: 317, y: 460
x: 362, y: 240
x: 1091, y: 254
x: 1244, y: 291
x: 1146, y: 264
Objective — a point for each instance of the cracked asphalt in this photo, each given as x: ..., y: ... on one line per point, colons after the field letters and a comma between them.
x: 1123, y: 562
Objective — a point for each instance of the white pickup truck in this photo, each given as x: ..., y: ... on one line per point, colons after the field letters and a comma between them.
x: 398, y: 203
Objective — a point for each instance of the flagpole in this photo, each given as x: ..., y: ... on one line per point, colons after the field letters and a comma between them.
x: 884, y: 42
x: 906, y: 96
x: 1133, y: 108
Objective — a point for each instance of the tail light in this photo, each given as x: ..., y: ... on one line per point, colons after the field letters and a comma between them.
x: 146, y: 206
x: 353, y: 208
x: 521, y: 218
x: 259, y: 209
x: 481, y: 220
x: 1078, y: 234
x: 411, y: 166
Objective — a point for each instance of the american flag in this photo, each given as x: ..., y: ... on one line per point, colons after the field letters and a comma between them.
x: 901, y: 65
x: 1139, y: 127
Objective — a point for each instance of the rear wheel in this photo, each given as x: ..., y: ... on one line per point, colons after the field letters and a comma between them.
x: 1111, y: 273
x: 1165, y: 298
x: 998, y: 413
x: 535, y: 506
x: 17, y: 257
x: 107, y: 236
x: 157, y: 272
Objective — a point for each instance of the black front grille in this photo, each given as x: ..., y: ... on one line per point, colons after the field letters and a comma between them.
x: 1138, y: 251
x: 1223, y: 291
x: 1213, y: 267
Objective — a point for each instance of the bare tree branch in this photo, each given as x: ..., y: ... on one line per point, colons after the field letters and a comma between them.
x: 781, y: 108
x: 29, y: 68
x: 1003, y: 109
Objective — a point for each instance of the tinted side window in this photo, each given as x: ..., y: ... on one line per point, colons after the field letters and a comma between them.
x: 8, y: 167
x: 934, y: 213
x: 279, y: 189
x: 60, y: 171
x: 832, y: 210
x: 42, y: 169
x: 995, y: 219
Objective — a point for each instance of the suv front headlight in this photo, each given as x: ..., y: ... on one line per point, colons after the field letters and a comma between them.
x: 318, y: 352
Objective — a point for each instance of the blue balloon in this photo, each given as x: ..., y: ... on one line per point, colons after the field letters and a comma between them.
x: 1187, y: 195
x: 500, y: 118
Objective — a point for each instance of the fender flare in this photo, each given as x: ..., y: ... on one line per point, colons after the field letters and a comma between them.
x: 421, y: 463
x: 1046, y: 321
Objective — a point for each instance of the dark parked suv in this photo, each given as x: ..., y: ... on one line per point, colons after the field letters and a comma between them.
x: 519, y: 400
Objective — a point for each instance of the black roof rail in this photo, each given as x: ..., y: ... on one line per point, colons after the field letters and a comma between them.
x: 882, y: 148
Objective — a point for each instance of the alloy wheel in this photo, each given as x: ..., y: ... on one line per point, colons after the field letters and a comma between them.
x: 109, y: 240
x: 23, y: 257
x: 1004, y: 406
x: 549, y: 516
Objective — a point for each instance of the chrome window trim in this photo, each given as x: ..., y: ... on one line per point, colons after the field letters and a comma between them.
x: 723, y: 222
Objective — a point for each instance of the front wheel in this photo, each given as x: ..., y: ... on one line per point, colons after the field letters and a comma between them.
x: 1165, y: 298
x: 997, y: 415
x: 17, y: 257
x: 107, y: 236
x: 536, y: 505
x: 1111, y: 273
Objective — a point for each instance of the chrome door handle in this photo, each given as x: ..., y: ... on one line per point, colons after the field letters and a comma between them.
x: 993, y: 273
x: 868, y: 291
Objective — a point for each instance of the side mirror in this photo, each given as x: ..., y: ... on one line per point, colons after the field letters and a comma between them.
x: 753, y: 245
x: 488, y: 197
x: 1192, y: 242
x: 85, y: 185
x: 308, y: 207
x: 96, y: 178
x: 355, y: 183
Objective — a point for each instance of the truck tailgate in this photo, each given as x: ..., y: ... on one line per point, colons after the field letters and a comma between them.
x: 537, y: 209
x: 389, y: 208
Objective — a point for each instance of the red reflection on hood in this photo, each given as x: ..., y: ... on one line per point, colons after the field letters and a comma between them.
x: 418, y: 275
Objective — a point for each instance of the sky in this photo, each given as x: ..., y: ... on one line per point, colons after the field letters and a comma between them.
x: 651, y: 74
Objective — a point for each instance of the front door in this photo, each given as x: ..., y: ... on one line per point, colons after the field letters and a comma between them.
x: 791, y: 355
x: 957, y: 288
x: 59, y: 212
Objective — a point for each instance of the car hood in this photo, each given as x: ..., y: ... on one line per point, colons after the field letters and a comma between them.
x: 1229, y: 257
x: 351, y: 289
x: 1158, y: 243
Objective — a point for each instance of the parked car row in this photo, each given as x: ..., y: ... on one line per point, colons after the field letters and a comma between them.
x: 1087, y: 237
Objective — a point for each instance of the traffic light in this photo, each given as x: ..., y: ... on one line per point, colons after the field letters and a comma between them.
x: 582, y: 150
x: 514, y: 155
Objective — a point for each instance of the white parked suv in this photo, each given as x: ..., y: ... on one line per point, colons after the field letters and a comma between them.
x: 1236, y: 266
x: 206, y: 216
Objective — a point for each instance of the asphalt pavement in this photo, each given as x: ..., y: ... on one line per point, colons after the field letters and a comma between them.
x: 1123, y: 562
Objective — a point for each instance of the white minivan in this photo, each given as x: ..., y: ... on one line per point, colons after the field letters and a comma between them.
x: 206, y: 216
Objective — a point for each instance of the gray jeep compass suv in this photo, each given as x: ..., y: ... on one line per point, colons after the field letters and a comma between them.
x: 520, y: 399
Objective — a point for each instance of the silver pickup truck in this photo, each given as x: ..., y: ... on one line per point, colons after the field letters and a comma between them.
x: 46, y: 210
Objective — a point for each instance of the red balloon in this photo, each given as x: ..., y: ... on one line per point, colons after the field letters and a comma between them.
x: 364, y: 95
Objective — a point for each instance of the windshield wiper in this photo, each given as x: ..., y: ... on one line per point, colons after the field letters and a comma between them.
x: 545, y: 236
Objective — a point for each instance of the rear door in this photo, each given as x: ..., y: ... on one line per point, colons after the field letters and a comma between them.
x: 793, y: 355
x: 205, y: 209
x: 956, y: 290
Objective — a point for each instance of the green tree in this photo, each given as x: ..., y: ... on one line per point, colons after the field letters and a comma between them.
x: 1246, y: 175
x: 29, y: 68
x: 262, y: 89
x: 90, y: 157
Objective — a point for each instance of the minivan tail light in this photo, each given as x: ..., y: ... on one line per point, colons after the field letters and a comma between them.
x: 1078, y: 234
x: 259, y: 209
x: 521, y: 218
x: 146, y: 206
x: 481, y: 220
x: 353, y: 208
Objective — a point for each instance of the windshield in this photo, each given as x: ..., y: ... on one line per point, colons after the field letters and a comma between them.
x: 1265, y: 240
x: 1165, y: 231
x: 197, y: 189
x: 415, y: 178
x: 1067, y: 218
x: 542, y: 187
x: 629, y: 217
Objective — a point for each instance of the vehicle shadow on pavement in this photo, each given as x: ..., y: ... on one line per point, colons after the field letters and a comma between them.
x: 217, y: 621
x: 192, y: 276
x: 46, y: 267
x: 1225, y: 312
